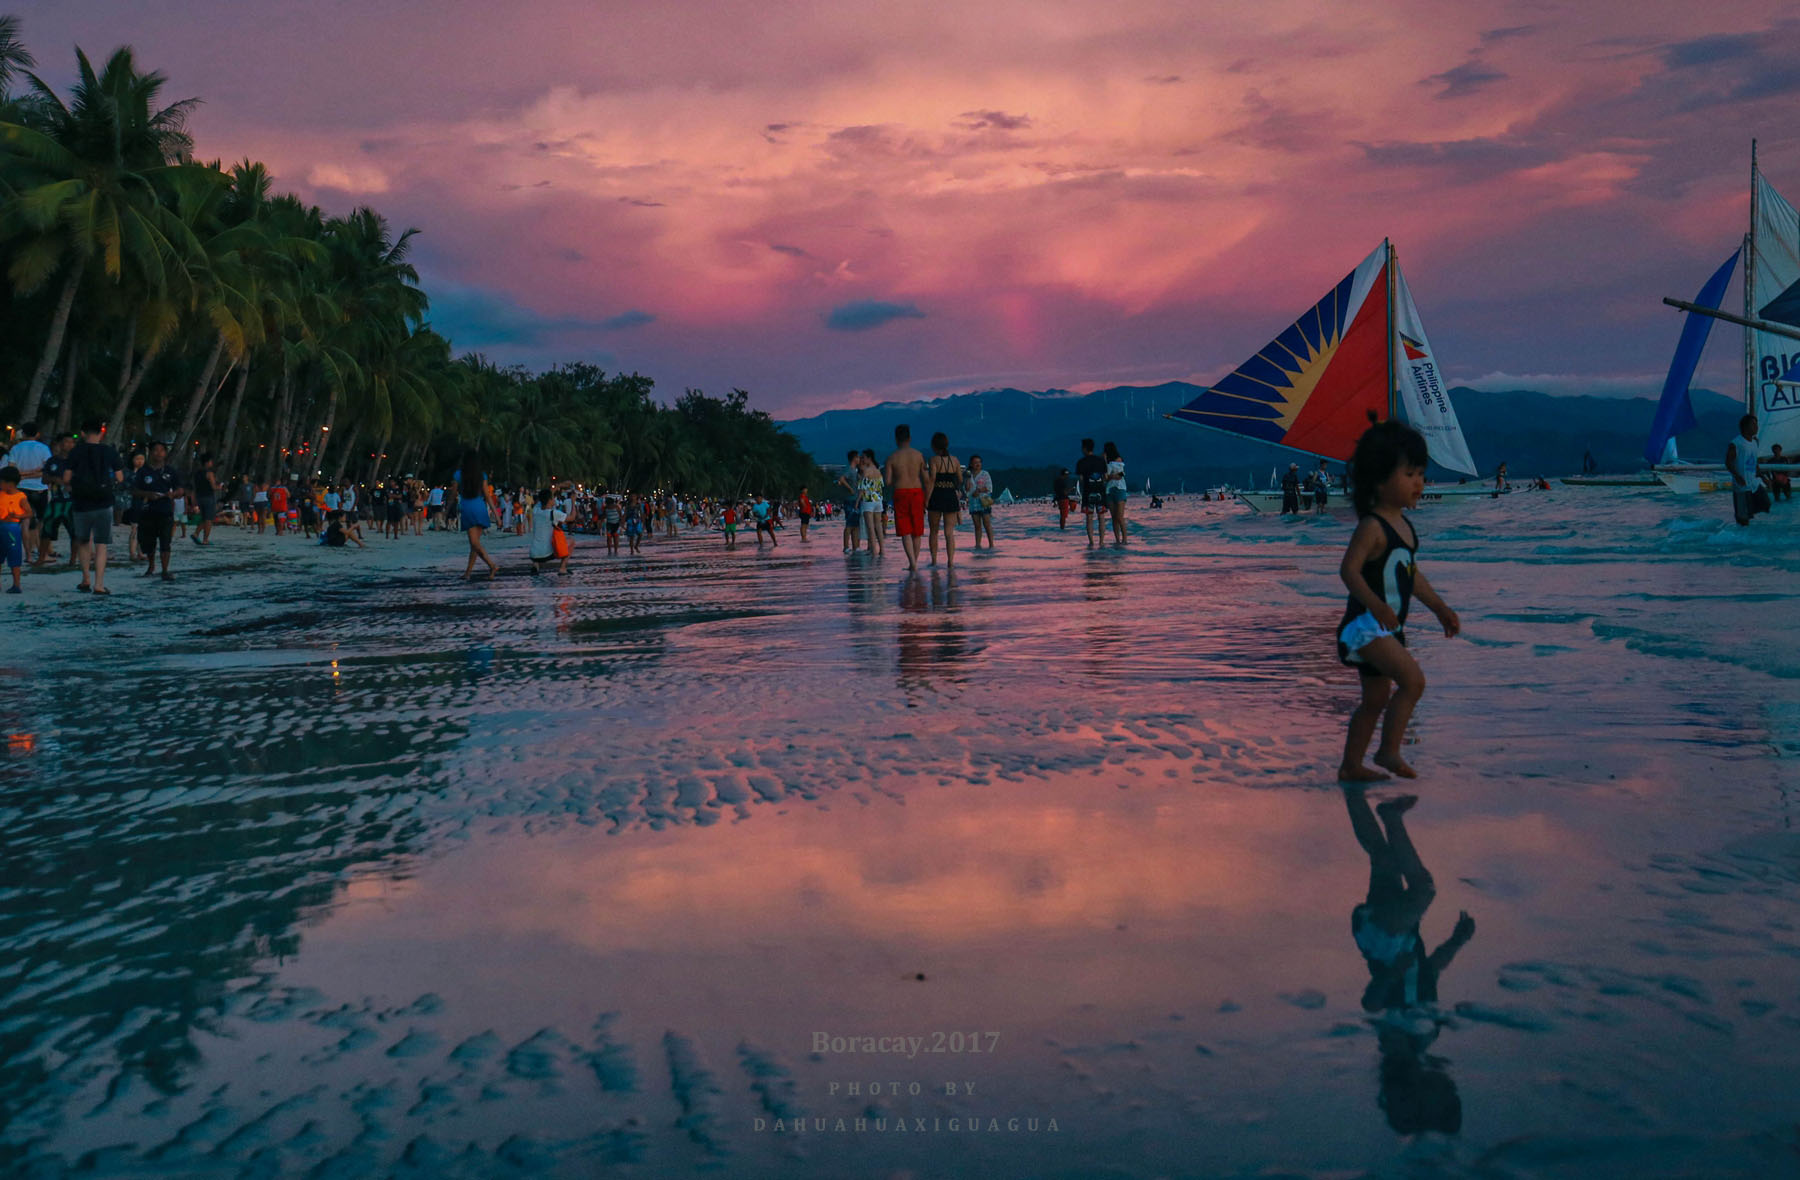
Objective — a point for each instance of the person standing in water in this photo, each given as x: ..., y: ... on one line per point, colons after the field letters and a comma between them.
x: 1380, y: 569
x: 981, y: 502
x: 850, y: 500
x: 764, y: 514
x: 869, y: 488
x: 944, y: 506
x: 478, y: 511
x: 1116, y: 493
x: 805, y: 510
x: 1090, y: 480
x: 1741, y: 461
x: 905, y: 473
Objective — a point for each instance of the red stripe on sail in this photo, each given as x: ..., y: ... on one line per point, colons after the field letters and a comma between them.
x: 1355, y: 382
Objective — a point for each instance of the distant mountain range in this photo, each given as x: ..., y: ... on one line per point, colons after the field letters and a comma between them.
x: 1028, y: 435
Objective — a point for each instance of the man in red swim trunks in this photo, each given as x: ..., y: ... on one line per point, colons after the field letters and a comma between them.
x: 905, y: 474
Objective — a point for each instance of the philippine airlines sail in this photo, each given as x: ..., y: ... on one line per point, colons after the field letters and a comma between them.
x: 1360, y: 350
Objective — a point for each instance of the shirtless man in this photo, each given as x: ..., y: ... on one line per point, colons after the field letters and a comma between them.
x: 905, y: 474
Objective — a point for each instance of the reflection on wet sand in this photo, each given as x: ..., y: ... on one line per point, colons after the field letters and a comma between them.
x: 932, y: 647
x: 1417, y: 1093
x: 550, y: 879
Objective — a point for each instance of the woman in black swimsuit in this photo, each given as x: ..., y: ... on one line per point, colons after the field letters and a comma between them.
x: 942, y: 506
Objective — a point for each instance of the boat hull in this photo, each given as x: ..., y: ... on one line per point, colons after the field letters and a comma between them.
x: 1643, y: 479
x: 1693, y: 483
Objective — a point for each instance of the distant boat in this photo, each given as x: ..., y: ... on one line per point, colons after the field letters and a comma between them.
x: 1771, y: 256
x: 1361, y: 351
x: 1641, y: 479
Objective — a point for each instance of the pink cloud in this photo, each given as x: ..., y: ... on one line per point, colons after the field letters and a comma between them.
x: 1066, y: 192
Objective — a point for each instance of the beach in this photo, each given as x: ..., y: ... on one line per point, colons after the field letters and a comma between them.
x: 781, y: 862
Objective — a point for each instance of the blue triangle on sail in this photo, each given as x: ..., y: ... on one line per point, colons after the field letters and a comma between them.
x: 1784, y: 308
x: 1675, y: 413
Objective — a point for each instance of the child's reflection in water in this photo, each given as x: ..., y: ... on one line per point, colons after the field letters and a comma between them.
x: 1417, y: 1093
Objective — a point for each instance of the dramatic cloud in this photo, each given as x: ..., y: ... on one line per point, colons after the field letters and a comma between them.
x: 864, y: 314
x: 1078, y: 194
x: 1466, y: 79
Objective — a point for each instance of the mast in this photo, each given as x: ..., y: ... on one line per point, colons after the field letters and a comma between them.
x: 1750, y: 358
x: 1387, y: 275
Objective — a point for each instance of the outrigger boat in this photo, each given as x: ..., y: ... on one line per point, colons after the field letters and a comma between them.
x: 1771, y: 257
x: 1360, y: 352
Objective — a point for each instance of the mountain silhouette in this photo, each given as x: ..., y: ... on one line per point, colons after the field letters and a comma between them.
x: 1026, y: 436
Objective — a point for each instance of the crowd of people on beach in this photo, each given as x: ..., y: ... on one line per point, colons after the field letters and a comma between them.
x: 79, y: 488
x: 926, y: 496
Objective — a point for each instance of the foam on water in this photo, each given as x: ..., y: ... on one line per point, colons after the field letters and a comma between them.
x: 548, y: 876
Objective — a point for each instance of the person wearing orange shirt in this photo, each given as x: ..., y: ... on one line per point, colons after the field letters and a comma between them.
x: 15, y: 510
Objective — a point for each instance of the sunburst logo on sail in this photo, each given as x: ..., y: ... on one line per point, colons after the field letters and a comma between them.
x: 1352, y: 356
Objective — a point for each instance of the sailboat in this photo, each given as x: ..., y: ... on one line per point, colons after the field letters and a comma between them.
x: 1771, y: 256
x: 1359, y: 351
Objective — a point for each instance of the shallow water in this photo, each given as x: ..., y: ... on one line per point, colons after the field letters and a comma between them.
x: 550, y: 875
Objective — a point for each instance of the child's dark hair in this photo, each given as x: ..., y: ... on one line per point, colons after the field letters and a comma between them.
x: 543, y: 497
x: 1383, y: 449
x: 10, y: 474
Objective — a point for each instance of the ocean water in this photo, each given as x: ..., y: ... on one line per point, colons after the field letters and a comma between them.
x: 643, y: 869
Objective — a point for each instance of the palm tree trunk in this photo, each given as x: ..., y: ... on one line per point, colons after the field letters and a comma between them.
x: 289, y: 448
x: 278, y: 428
x: 324, y: 436
x: 346, y: 454
x: 129, y: 380
x: 128, y: 350
x: 59, y: 326
x: 228, y: 451
x: 192, y: 418
x: 65, y: 410
x: 381, y: 455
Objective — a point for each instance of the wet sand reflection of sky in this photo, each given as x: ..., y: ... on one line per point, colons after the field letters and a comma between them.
x: 580, y: 866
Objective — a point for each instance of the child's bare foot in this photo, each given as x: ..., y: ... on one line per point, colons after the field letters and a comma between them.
x: 1396, y: 764
x: 1360, y: 774
x: 1398, y: 805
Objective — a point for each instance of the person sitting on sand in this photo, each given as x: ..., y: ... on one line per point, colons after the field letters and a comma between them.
x: 1380, y: 570
x: 340, y: 530
x: 1417, y: 1094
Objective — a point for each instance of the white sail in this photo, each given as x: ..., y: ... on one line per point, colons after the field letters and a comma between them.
x: 1424, y: 402
x: 1777, y: 267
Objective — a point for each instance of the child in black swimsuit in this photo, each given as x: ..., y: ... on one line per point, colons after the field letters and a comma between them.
x: 1381, y: 572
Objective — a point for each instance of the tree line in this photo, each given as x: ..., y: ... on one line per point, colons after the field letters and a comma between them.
x: 191, y: 302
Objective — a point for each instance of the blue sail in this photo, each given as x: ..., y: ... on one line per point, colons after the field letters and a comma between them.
x: 1675, y: 413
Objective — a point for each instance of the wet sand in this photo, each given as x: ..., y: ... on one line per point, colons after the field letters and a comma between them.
x: 544, y: 876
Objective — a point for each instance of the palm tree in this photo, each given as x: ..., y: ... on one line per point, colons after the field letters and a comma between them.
x: 15, y: 59
x: 91, y: 187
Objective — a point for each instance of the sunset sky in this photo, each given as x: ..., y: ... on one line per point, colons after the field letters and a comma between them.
x: 836, y: 204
